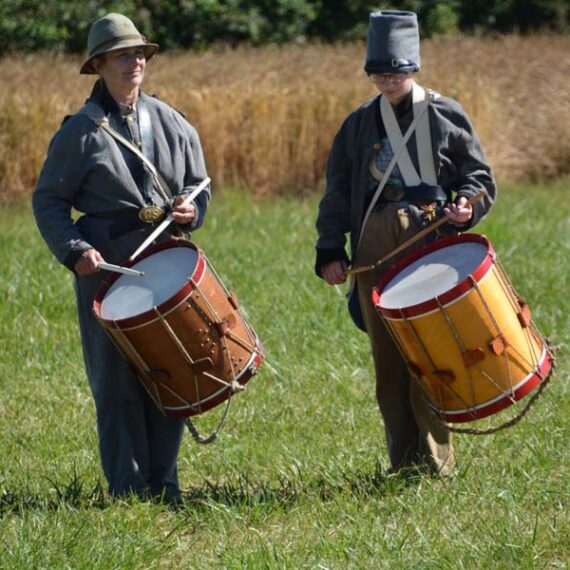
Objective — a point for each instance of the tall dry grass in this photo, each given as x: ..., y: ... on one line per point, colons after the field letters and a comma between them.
x: 267, y: 116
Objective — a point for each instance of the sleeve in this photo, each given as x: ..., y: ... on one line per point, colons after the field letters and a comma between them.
x: 473, y: 172
x: 333, y: 219
x: 195, y: 173
x: 59, y: 181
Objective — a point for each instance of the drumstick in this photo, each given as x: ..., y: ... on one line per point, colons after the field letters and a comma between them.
x: 119, y: 269
x: 413, y: 239
x: 169, y: 219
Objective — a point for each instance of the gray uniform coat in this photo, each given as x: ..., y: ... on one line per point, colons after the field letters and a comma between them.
x: 87, y: 170
x: 459, y: 162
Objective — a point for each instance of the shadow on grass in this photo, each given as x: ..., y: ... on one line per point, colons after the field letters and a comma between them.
x: 242, y: 491
x: 285, y: 491
x: 71, y: 495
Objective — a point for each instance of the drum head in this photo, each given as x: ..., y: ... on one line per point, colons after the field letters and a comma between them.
x: 432, y: 275
x: 166, y: 272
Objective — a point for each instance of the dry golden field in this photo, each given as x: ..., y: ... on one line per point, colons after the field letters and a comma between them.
x: 267, y: 116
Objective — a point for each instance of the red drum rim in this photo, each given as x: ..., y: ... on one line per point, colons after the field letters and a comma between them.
x: 164, y: 307
x: 449, y: 296
x: 199, y: 407
x: 486, y: 409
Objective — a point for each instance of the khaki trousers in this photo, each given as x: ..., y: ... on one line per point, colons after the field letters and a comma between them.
x: 414, y: 436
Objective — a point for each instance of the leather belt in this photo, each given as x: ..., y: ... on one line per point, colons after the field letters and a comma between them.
x: 421, y: 193
x: 123, y: 221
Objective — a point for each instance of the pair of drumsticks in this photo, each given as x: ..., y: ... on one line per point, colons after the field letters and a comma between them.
x: 168, y: 220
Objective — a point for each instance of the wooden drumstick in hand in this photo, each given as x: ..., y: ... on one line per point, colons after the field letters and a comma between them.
x: 414, y: 239
x: 120, y: 269
x: 169, y: 219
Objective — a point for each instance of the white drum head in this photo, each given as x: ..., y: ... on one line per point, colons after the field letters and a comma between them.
x: 166, y: 272
x: 432, y: 275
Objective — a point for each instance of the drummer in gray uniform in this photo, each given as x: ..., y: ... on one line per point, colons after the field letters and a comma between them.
x: 382, y: 190
x: 92, y: 171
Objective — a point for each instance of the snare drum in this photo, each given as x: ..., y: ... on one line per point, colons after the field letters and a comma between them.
x: 180, y: 328
x: 465, y: 334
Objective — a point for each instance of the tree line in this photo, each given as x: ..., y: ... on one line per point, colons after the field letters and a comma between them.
x: 62, y: 25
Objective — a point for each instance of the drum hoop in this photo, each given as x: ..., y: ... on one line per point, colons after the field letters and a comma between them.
x: 166, y: 306
x: 409, y: 313
x: 244, y: 375
x: 223, y: 394
x: 490, y: 407
x: 461, y: 289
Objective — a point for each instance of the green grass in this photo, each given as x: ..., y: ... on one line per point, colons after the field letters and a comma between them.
x: 297, y: 478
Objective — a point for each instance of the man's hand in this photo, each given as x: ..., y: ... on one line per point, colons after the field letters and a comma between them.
x: 459, y: 213
x: 87, y: 263
x: 334, y: 273
x: 183, y: 214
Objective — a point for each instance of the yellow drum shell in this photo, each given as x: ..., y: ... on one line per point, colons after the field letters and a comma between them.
x: 476, y: 353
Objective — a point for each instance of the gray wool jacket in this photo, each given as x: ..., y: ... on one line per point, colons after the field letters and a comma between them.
x: 87, y: 170
x: 459, y: 162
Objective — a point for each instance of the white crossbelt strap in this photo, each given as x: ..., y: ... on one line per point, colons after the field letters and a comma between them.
x: 420, y: 100
x: 421, y: 113
x: 159, y: 181
x: 96, y: 114
x: 423, y: 139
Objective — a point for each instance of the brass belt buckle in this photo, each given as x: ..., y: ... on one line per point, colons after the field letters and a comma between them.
x: 151, y: 214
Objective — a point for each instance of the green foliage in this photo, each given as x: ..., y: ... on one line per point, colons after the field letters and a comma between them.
x: 21, y: 30
x: 182, y: 23
x: 342, y: 19
x: 31, y: 25
x: 442, y: 20
x: 515, y: 15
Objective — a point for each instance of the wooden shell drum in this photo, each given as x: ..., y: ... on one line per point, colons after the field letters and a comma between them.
x: 462, y: 329
x: 180, y: 328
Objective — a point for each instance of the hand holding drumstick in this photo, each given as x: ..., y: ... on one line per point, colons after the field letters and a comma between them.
x: 459, y: 213
x: 91, y: 261
x: 88, y: 263
x: 336, y: 272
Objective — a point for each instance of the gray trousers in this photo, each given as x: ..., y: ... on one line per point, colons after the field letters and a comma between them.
x: 138, y: 444
x: 414, y: 436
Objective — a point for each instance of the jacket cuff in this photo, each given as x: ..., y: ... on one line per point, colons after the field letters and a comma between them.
x: 325, y: 256
x: 196, y: 222
x: 74, y: 254
x: 72, y: 258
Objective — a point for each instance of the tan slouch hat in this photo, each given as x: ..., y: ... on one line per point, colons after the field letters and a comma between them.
x: 112, y: 32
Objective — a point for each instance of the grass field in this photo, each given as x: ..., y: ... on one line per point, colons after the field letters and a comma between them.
x: 298, y: 476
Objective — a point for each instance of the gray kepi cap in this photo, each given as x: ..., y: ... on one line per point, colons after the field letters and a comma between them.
x: 393, y: 42
x: 111, y: 32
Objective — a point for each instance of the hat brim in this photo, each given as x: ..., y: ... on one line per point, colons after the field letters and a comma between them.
x: 149, y: 50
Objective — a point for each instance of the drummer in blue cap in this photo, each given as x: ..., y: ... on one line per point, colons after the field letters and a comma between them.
x: 398, y: 162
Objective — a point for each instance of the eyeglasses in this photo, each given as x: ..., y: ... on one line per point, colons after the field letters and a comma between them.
x: 125, y: 56
x: 380, y: 78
